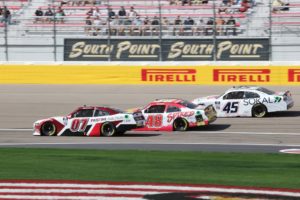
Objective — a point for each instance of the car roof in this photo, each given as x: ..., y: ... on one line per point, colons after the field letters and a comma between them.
x: 167, y: 100
x: 111, y: 110
x: 243, y: 88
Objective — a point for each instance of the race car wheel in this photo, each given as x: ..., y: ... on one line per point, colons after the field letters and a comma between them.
x: 259, y: 110
x: 48, y: 129
x: 108, y: 129
x: 180, y: 125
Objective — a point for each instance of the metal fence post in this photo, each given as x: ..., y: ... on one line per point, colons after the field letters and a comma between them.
x: 54, y: 33
x: 160, y: 31
x: 214, y: 32
x: 270, y: 31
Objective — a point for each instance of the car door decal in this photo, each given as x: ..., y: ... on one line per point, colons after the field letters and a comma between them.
x: 231, y: 107
x: 154, y: 120
x: 79, y: 125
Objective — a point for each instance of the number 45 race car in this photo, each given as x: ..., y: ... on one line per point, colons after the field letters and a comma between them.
x: 89, y: 121
x: 248, y: 101
x: 175, y: 115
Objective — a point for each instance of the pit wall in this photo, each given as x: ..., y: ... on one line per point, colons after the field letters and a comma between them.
x: 151, y: 73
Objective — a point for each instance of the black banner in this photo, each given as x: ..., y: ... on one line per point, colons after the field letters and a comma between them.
x: 172, y: 50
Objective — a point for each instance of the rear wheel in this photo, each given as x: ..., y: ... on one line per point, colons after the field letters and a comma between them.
x: 48, y: 129
x: 108, y: 129
x: 180, y: 125
x: 259, y: 110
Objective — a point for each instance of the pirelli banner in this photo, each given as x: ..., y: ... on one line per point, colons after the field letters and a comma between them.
x: 147, y: 74
x: 171, y: 49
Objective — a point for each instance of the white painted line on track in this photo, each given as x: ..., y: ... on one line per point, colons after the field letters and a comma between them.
x: 247, y: 133
x: 131, y: 143
x: 290, y: 151
x: 42, y: 197
x: 206, y: 132
x: 16, y: 129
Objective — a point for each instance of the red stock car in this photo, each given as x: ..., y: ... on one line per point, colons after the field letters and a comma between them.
x: 89, y: 121
x: 175, y: 115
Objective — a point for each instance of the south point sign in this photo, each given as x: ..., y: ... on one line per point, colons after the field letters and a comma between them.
x: 170, y: 50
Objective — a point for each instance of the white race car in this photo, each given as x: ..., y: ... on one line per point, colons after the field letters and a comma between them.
x: 247, y: 101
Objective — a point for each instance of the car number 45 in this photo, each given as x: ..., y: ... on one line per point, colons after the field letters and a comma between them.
x: 231, y: 107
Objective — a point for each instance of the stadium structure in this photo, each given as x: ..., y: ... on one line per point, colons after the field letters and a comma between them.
x: 149, y: 26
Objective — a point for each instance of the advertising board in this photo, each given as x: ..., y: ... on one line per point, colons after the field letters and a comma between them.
x: 171, y: 49
x: 148, y: 74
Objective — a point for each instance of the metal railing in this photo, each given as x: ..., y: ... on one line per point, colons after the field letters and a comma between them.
x: 28, y: 35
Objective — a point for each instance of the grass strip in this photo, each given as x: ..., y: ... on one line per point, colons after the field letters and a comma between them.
x: 240, y: 169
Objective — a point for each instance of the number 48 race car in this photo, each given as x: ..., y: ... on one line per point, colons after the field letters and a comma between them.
x: 248, y: 101
x: 175, y: 115
x: 89, y: 121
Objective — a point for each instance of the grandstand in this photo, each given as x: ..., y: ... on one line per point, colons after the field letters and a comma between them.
x: 27, y: 34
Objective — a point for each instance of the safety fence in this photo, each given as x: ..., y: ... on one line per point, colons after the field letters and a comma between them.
x: 27, y: 35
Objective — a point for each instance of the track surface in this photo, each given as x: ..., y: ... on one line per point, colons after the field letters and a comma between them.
x: 21, y: 105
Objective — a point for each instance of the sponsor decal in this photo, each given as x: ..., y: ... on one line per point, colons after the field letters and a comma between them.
x: 263, y: 100
x: 168, y: 49
x: 172, y: 116
x: 22, y: 189
x: 98, y: 119
x: 294, y: 75
x: 168, y: 75
x: 241, y: 75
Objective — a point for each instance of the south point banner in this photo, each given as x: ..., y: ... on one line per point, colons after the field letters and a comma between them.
x: 170, y: 50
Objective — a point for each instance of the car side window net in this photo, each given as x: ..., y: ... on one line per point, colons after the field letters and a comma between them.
x: 173, y: 109
x: 99, y: 113
x: 234, y: 95
x: 84, y: 113
x: 156, y: 109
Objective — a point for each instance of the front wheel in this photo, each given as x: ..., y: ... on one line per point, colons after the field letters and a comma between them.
x: 259, y: 110
x: 108, y: 129
x: 48, y: 129
x: 180, y: 125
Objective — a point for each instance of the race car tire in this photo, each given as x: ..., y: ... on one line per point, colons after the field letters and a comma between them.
x: 259, y: 110
x: 48, y: 129
x: 180, y: 125
x: 108, y: 129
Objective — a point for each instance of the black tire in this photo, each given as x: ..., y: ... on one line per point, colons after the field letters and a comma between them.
x: 180, y: 125
x: 48, y: 129
x: 259, y: 110
x: 108, y: 129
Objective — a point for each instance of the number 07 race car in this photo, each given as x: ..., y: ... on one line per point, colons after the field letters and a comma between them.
x: 175, y: 115
x: 248, y: 101
x: 89, y: 121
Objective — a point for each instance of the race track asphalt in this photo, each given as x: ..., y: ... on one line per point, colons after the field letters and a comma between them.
x: 21, y: 105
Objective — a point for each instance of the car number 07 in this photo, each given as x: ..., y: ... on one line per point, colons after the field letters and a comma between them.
x: 79, y: 125
x: 231, y: 107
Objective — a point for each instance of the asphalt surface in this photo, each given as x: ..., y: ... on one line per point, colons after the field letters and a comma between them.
x: 21, y: 105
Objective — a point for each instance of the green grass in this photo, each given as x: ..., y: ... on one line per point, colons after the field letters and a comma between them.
x: 263, y: 170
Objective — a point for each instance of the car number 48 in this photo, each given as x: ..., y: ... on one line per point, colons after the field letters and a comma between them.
x: 231, y: 107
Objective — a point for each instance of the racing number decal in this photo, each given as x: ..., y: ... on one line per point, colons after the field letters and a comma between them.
x: 79, y: 125
x: 231, y: 107
x: 154, y: 121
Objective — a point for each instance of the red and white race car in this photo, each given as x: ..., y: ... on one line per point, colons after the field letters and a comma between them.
x: 89, y: 121
x: 175, y: 115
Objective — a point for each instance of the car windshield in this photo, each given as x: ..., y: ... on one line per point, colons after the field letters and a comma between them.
x: 188, y: 104
x: 265, y: 90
